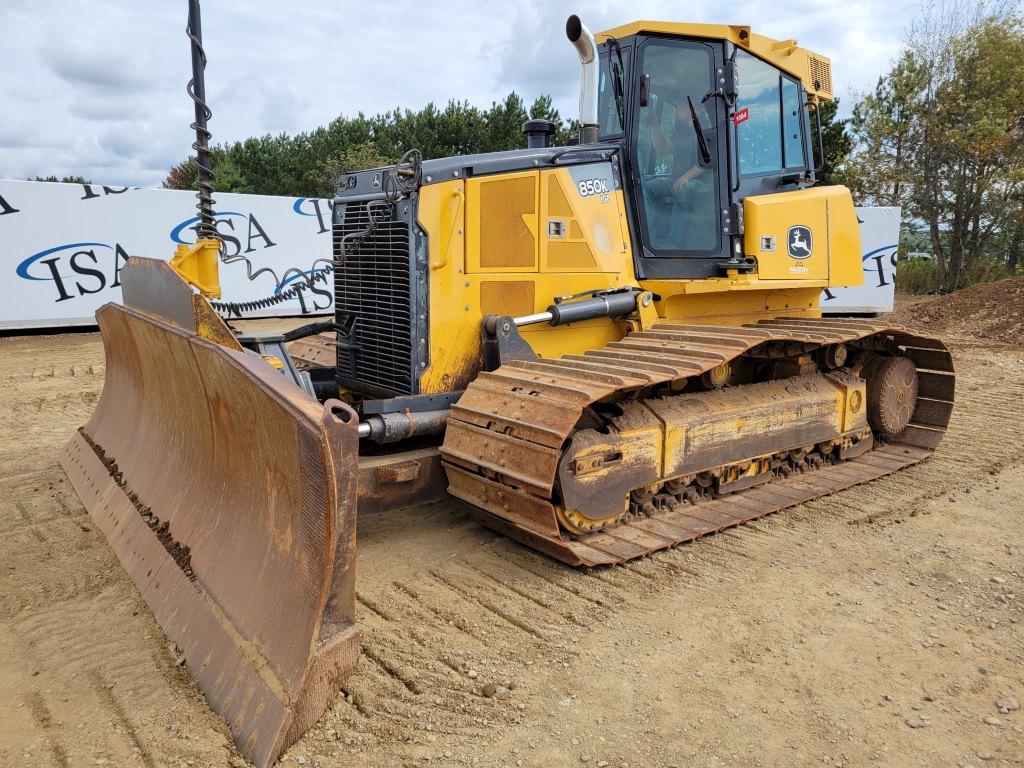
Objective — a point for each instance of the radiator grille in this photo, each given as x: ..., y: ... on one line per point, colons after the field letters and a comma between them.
x: 373, y: 300
x: 564, y: 254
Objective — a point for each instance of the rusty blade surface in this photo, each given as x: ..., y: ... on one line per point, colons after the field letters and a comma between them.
x: 509, y: 479
x: 228, y: 496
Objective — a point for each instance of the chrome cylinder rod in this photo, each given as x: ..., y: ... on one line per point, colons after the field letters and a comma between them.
x: 536, y: 317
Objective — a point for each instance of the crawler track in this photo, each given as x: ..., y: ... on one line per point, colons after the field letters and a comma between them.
x: 508, y: 434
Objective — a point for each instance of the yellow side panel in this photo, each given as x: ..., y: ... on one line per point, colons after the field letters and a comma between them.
x: 465, y: 284
x: 807, y: 234
x: 454, y: 344
x: 508, y: 297
x: 787, y: 233
x: 845, y: 255
x: 501, y: 223
x: 582, y: 231
x: 721, y: 301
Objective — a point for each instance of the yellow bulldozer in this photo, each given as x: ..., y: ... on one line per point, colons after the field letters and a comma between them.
x: 604, y: 349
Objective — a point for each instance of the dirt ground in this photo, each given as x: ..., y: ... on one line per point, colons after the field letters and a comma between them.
x: 880, y: 626
x: 993, y: 311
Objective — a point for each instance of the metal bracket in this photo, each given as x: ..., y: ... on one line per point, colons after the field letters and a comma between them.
x: 646, y: 312
x: 196, y: 264
x: 502, y: 342
x: 737, y: 263
x: 271, y: 346
x: 411, y: 403
x: 734, y: 219
x: 590, y: 464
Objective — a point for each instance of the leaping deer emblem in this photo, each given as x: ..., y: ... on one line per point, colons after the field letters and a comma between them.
x: 797, y: 243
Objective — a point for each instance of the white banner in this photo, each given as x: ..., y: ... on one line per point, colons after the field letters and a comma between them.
x: 879, y: 240
x: 62, y: 247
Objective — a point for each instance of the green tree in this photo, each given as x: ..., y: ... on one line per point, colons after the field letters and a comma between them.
x: 943, y: 136
x: 309, y: 163
x: 183, y: 175
x: 325, y: 175
x: 972, y: 148
x: 835, y: 141
x: 63, y: 179
x: 886, y: 127
x: 565, y: 130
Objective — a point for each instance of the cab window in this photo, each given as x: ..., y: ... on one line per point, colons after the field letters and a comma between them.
x: 760, y: 135
x: 792, y: 124
x: 771, y: 138
x: 611, y: 96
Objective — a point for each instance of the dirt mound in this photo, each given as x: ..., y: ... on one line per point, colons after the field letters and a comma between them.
x: 990, y: 311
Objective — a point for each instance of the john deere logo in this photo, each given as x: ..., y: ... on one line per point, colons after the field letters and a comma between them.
x: 800, y: 242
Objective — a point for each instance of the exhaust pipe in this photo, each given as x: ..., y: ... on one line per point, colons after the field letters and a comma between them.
x: 583, y: 39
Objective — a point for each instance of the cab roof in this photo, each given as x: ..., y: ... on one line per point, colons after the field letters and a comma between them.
x: 814, y: 70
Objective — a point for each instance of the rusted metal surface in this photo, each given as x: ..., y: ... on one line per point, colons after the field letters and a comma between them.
x: 398, y: 480
x: 893, y: 393
x: 153, y: 286
x: 315, y: 352
x: 681, y: 435
x: 522, y: 438
x: 229, y: 496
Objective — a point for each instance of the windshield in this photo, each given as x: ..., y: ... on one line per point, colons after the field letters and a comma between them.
x: 676, y: 133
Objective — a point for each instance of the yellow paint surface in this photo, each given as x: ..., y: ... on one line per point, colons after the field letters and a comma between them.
x: 553, y: 224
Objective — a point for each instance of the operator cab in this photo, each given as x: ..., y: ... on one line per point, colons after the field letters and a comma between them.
x: 703, y: 122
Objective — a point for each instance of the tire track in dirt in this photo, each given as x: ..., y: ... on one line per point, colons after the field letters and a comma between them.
x: 550, y: 604
x: 97, y: 676
x: 41, y: 714
x: 113, y: 691
x: 438, y: 596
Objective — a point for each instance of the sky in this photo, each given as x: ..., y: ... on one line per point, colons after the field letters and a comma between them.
x: 97, y: 87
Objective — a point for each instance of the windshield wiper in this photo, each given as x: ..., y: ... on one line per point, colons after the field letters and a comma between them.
x: 617, y: 87
x: 620, y: 107
x: 702, y: 144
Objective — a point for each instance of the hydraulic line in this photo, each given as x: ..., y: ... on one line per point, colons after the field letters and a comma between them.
x: 401, y: 180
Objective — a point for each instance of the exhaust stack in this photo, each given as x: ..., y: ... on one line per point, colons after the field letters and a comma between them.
x: 583, y: 39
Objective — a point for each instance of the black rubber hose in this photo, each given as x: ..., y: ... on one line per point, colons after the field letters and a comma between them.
x: 312, y: 329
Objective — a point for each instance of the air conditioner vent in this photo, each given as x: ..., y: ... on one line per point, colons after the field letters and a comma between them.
x: 821, y: 74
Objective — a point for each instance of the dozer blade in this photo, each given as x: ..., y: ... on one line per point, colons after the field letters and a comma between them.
x: 228, y: 495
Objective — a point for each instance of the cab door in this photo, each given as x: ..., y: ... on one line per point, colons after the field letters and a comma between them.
x: 680, y: 170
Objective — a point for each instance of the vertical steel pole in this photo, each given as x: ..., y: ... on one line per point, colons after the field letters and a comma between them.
x: 197, y: 90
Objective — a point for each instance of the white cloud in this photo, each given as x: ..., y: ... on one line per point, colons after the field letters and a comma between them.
x: 83, y: 66
x: 98, y: 85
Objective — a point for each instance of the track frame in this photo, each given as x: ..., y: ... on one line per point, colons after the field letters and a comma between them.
x: 508, y: 433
